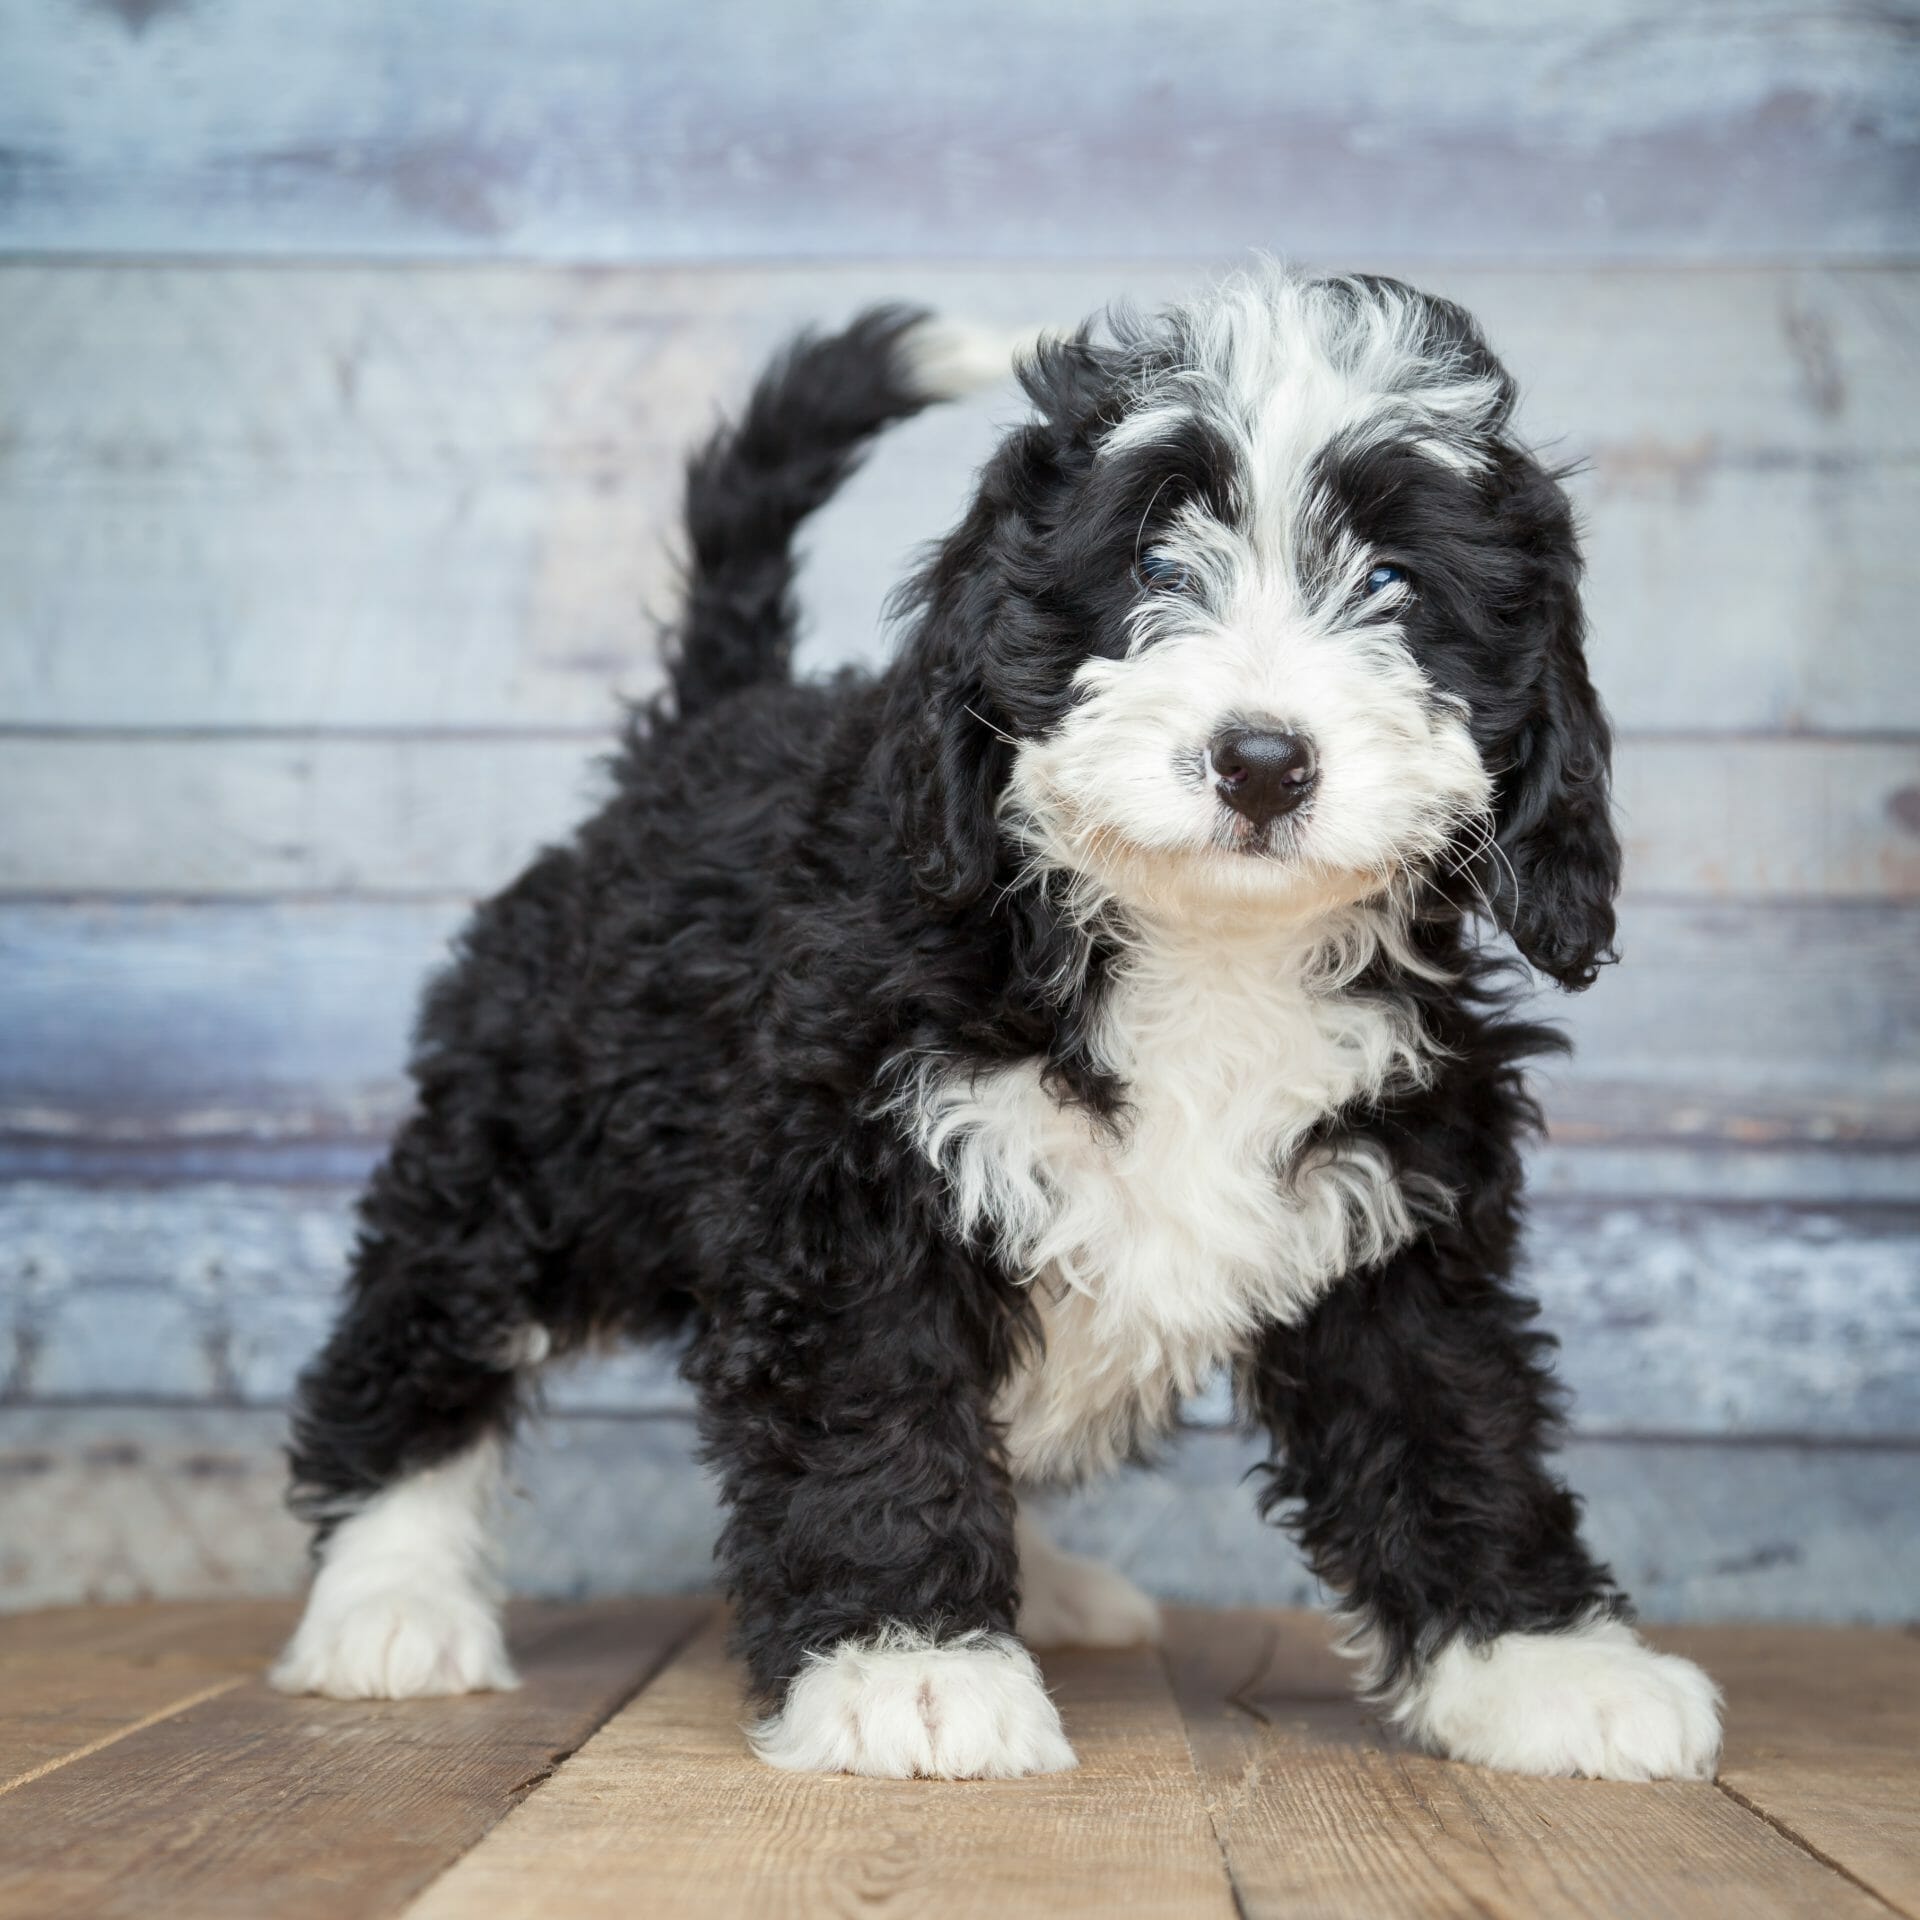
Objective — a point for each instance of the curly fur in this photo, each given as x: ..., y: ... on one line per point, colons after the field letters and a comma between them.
x: 941, y: 1059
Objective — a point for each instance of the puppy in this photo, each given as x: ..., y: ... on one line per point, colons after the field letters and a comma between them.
x: 964, y: 1063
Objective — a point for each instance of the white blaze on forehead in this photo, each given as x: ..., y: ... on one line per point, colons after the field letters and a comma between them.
x: 1283, y: 366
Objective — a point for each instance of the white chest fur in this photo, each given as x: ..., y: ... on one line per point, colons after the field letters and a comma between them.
x: 1157, y: 1247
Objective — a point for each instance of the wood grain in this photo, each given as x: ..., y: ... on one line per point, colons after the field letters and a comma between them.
x: 1317, y: 1815
x: 1673, y: 1317
x: 646, y: 1813
x: 57, y: 1714
x: 224, y: 1635
x: 1234, y: 1775
x: 1697, y: 1528
x: 1620, y: 126
x: 1822, y: 1733
x: 262, y: 816
x: 432, y: 498
x: 74, y: 1680
x: 342, y: 1809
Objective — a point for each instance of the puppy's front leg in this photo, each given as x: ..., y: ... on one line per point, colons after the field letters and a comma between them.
x: 869, y: 1546
x: 1411, y: 1413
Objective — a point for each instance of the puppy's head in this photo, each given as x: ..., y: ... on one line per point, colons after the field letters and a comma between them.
x: 1266, y: 612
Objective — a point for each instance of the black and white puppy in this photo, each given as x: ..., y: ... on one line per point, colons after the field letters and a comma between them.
x: 968, y: 1061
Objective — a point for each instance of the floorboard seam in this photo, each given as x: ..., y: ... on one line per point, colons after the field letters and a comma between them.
x: 1806, y: 1846
x: 527, y: 1789
x: 185, y: 1705
x: 1240, y: 1907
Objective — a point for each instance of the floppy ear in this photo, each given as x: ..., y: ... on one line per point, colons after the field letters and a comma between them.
x: 949, y: 766
x: 1559, y: 865
x: 944, y: 752
x: 977, y: 632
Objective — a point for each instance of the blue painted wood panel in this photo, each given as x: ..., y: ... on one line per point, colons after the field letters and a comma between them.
x: 1696, y: 1530
x: 1676, y: 1318
x: 171, y: 1024
x: 606, y: 129
x: 321, y: 568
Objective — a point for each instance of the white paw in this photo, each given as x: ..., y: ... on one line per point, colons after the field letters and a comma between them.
x: 900, y: 1706
x: 403, y: 1605
x: 1067, y: 1600
x: 1594, y: 1700
x: 398, y: 1645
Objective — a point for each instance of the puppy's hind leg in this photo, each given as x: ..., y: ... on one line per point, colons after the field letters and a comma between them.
x: 399, y: 1440
x: 1067, y: 1600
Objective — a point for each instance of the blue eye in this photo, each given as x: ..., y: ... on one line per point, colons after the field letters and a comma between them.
x: 1383, y: 577
x: 1164, y: 574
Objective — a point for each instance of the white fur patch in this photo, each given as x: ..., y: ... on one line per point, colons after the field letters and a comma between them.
x: 1067, y: 1600
x: 901, y: 1707
x: 404, y: 1605
x: 1157, y: 1247
x: 1594, y: 1700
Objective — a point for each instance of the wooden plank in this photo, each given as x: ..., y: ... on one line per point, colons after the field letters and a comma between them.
x: 56, y: 1714
x: 1809, y: 1166
x: 74, y: 1680
x: 159, y: 1024
x: 221, y: 1635
x: 1697, y: 1528
x: 269, y: 815
x: 1822, y: 1733
x: 1678, y: 1319
x: 1618, y: 127
x: 1705, y: 1171
x: 342, y: 1808
x: 1673, y: 1317
x: 113, y: 1503
x: 257, y: 497
x: 666, y: 1810
x: 1316, y: 1814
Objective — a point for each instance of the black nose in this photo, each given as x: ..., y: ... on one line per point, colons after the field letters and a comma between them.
x: 1262, y: 775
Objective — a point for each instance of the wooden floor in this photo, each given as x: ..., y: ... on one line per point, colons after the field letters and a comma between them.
x: 145, y: 1769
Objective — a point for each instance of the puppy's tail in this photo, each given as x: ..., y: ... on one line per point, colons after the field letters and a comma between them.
x: 803, y: 432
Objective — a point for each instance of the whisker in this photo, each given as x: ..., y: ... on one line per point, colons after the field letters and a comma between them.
x: 1007, y: 738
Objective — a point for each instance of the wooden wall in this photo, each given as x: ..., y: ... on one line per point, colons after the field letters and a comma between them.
x: 346, y: 354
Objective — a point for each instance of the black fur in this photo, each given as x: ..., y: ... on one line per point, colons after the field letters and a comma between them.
x: 653, y: 1084
x: 1413, y: 1411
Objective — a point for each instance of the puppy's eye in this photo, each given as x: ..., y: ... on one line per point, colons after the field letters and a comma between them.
x: 1383, y: 577
x: 1164, y: 574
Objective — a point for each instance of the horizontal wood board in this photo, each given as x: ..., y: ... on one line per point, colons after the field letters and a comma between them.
x: 1673, y: 1317
x: 992, y: 130
x: 270, y: 816
x: 1697, y: 1529
x: 182, y: 1023
x: 419, y: 498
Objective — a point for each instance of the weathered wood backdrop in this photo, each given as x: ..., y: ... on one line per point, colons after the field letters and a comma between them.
x: 346, y: 354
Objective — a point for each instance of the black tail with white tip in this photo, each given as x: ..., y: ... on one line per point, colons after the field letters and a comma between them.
x: 809, y: 420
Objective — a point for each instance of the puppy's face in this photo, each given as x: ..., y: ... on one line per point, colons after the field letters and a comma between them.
x: 1282, y: 619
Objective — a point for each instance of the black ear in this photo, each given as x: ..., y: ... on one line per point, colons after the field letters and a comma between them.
x: 977, y: 632
x: 945, y: 749
x: 1558, y: 866
x: 949, y: 767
